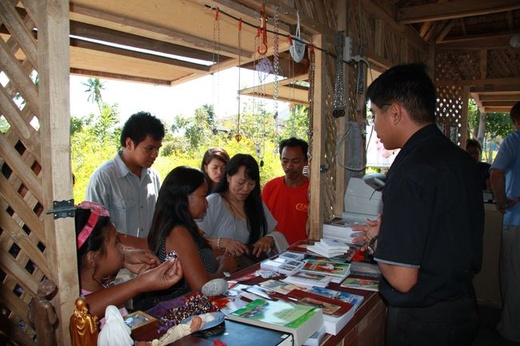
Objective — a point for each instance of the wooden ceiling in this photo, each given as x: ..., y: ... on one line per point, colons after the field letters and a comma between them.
x: 473, y: 25
x: 162, y: 30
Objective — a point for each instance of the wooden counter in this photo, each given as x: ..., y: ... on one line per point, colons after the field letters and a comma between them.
x: 365, y: 329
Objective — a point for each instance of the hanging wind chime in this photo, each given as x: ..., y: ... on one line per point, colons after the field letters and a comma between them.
x: 339, y: 103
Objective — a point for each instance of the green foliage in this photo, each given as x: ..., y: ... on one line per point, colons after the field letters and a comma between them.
x: 94, y: 87
x: 298, y: 123
x: 95, y: 138
x: 498, y: 125
x: 4, y: 125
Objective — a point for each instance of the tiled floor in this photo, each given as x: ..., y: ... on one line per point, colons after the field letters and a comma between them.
x: 488, y: 336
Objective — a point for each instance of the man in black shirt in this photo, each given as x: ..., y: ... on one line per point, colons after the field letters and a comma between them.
x: 428, y: 243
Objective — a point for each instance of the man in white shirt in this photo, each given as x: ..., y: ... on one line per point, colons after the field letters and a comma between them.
x: 126, y: 185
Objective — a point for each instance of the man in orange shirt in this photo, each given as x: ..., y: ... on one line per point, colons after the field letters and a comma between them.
x: 287, y: 196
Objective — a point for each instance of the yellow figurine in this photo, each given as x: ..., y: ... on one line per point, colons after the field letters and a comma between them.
x: 83, y: 326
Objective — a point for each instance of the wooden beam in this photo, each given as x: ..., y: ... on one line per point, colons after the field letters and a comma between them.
x: 496, y: 109
x: 487, y: 88
x: 498, y: 103
x: 164, y: 34
x: 490, y: 84
x: 453, y: 9
x: 500, y: 97
x: 119, y: 76
x: 477, y: 42
x: 126, y: 39
x: 375, y: 8
x: 138, y: 55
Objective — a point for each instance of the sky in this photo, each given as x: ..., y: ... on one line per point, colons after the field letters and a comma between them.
x: 165, y: 102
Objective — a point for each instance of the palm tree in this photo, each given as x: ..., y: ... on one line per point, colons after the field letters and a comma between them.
x: 94, y: 87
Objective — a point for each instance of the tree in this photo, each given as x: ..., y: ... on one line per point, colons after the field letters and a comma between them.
x: 488, y: 129
x: 94, y: 87
x: 298, y: 123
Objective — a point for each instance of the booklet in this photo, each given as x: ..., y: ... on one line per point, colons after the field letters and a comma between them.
x: 297, y: 319
x: 361, y: 284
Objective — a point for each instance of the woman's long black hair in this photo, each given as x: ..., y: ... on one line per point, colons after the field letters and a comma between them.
x: 172, y: 207
x: 253, y: 204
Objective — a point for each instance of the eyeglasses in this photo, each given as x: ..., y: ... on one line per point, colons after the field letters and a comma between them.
x: 371, y: 117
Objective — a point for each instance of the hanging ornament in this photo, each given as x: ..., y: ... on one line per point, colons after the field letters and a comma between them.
x: 297, y: 48
x: 339, y: 103
x: 264, y: 67
x: 276, y: 62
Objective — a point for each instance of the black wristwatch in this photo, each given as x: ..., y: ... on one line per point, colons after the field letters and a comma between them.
x: 371, y: 250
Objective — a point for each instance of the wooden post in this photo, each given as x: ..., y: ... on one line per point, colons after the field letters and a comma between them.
x: 53, y: 71
x: 318, y: 144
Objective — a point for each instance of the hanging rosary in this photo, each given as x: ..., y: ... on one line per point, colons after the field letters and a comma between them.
x: 338, y: 103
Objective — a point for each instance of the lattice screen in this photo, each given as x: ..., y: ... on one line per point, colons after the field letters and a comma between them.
x: 330, y: 176
x: 22, y: 238
x: 450, y: 112
x: 452, y: 101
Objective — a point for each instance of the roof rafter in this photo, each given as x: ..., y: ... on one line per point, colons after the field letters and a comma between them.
x: 453, y: 9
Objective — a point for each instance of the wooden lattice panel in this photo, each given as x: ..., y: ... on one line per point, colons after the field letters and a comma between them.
x: 22, y: 237
x: 503, y: 63
x: 452, y: 101
x: 450, y: 111
x: 456, y: 66
x: 329, y: 177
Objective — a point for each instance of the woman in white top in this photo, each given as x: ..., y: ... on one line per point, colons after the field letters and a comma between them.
x: 237, y: 221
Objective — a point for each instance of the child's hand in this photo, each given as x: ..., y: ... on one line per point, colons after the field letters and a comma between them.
x: 138, y: 261
x: 162, y: 277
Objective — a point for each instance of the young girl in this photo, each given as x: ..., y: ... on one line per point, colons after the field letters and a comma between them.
x: 182, y: 198
x: 100, y: 256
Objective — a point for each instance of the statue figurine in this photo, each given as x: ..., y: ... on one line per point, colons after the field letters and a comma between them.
x: 42, y: 315
x: 83, y: 326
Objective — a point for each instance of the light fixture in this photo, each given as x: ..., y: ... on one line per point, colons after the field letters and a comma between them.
x: 515, y: 41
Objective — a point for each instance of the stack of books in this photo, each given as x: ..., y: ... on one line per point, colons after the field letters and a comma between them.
x: 361, y: 284
x: 304, y: 279
x: 329, y: 247
x: 282, y: 265
x: 336, y: 313
x: 297, y: 256
x: 337, y: 271
x: 365, y: 269
x: 300, y: 320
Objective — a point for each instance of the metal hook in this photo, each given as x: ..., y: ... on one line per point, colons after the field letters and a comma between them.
x: 263, y: 30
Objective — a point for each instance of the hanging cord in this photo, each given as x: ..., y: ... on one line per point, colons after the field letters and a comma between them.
x: 238, y: 137
x: 216, y: 60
